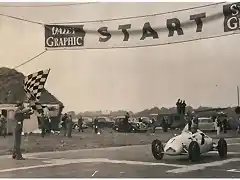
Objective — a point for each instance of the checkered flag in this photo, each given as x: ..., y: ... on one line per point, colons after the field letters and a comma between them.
x: 34, y: 84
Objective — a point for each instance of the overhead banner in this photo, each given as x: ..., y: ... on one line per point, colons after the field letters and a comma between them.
x: 167, y: 28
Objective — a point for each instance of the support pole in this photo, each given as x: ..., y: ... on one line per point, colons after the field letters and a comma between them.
x: 238, y: 94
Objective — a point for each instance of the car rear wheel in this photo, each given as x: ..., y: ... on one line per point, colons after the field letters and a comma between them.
x: 194, y: 151
x: 222, y: 148
x: 157, y: 149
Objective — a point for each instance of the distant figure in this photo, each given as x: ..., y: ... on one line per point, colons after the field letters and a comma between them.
x: 153, y: 125
x: 183, y: 107
x: 80, y: 124
x: 69, y: 126
x: 64, y: 124
x: 125, y: 121
x: 195, y: 120
x: 47, y: 124
x: 225, y: 124
x: 219, y: 124
x: 164, y: 124
x: 42, y: 124
x: 189, y: 122
x: 238, y: 128
x: 96, y: 125
x: 178, y: 106
x: 140, y: 119
x: 3, y: 125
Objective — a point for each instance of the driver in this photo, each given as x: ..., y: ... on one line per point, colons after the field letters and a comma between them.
x: 194, y: 128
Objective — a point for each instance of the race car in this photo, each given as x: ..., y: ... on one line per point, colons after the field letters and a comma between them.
x: 189, y: 143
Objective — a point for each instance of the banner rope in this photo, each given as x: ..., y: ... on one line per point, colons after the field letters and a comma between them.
x: 51, y: 5
x: 142, y: 16
x: 115, y: 19
x: 29, y: 60
x: 20, y: 19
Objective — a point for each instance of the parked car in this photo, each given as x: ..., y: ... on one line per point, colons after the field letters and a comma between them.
x: 132, y: 126
x: 105, y: 122
x: 75, y: 124
x: 88, y: 121
x: 206, y: 124
x: 146, y: 120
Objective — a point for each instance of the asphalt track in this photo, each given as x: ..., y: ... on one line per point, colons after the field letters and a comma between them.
x: 123, y: 162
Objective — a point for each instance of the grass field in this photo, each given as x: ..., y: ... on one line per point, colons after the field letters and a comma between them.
x: 87, y: 139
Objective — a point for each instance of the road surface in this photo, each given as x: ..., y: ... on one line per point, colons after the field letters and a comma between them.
x: 125, y: 162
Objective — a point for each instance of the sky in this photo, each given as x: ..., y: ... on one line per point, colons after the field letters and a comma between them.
x: 204, y: 73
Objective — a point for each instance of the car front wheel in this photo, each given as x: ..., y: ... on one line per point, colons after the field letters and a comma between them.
x: 194, y: 151
x: 222, y: 148
x: 157, y: 149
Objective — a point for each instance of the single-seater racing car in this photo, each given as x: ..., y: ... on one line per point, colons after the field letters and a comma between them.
x: 191, y: 143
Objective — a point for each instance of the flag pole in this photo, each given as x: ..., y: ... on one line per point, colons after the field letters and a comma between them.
x: 238, y: 94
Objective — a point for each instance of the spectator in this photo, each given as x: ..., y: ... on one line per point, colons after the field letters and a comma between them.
x: 195, y: 120
x: 3, y: 125
x: 42, y: 125
x: 153, y: 125
x: 180, y: 107
x: 125, y: 121
x: 64, y: 124
x: 225, y: 124
x: 80, y: 124
x: 219, y: 124
x: 164, y: 124
x: 178, y: 104
x: 238, y: 128
x: 189, y: 122
x: 183, y: 107
x: 69, y: 126
x: 96, y: 125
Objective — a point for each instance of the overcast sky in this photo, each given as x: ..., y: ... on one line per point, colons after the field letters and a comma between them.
x: 202, y: 72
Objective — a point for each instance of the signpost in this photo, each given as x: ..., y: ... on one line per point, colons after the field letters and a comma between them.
x: 237, y: 110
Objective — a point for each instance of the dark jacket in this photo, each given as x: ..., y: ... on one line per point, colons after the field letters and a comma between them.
x: 80, y: 121
x: 219, y: 123
x: 95, y: 122
x: 64, y: 121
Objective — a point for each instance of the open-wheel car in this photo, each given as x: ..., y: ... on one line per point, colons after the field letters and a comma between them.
x: 189, y: 143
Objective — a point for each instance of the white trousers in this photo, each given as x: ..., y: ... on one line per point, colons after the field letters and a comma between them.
x: 218, y: 131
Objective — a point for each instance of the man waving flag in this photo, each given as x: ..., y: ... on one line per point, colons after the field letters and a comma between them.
x: 33, y: 86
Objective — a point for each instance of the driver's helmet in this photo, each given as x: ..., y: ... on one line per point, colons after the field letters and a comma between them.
x: 194, y: 128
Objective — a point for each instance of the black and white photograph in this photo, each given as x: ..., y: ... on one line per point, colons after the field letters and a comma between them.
x: 119, y: 89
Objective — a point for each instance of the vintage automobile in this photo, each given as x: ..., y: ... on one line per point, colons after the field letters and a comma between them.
x: 206, y: 124
x: 145, y: 120
x: 88, y: 121
x: 105, y: 122
x: 132, y: 126
x: 188, y: 143
x: 75, y: 124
